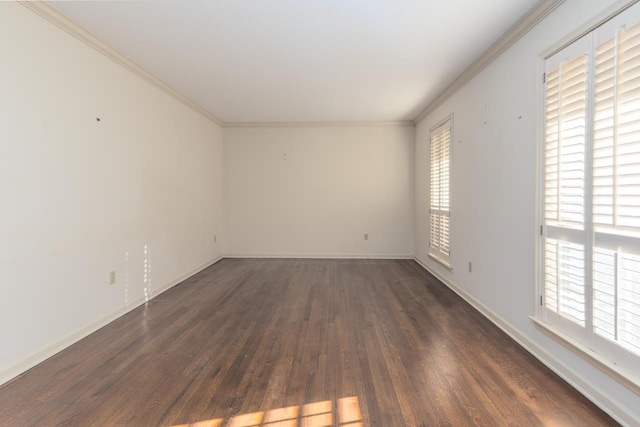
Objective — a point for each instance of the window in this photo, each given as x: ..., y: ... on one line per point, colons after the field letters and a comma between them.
x: 439, y: 221
x: 591, y: 191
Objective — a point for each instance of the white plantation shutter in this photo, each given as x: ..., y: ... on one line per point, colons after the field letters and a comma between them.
x: 591, y: 191
x: 564, y: 280
x: 616, y: 189
x: 564, y: 188
x: 565, y: 143
x: 616, y: 312
x: 439, y: 213
x: 616, y: 151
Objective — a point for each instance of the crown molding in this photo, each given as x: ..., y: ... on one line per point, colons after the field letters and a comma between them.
x: 315, y: 124
x: 518, y: 30
x: 53, y: 15
x: 536, y: 14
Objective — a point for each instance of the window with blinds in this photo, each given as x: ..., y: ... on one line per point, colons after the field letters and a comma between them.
x: 591, y: 191
x: 439, y: 213
x: 564, y: 186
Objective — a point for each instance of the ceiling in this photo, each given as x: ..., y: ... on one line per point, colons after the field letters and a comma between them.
x: 302, y: 60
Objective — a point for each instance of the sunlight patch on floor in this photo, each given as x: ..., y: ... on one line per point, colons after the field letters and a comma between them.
x: 316, y: 414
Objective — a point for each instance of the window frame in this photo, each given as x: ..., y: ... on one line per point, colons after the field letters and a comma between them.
x: 601, y: 359
x: 434, y: 254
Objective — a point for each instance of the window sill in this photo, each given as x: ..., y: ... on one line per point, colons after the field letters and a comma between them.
x: 441, y: 262
x: 590, y: 356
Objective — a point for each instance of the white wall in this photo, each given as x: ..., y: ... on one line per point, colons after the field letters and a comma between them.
x: 81, y: 198
x: 315, y: 191
x: 493, y: 199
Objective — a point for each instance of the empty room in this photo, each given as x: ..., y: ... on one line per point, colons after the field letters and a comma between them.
x: 320, y: 213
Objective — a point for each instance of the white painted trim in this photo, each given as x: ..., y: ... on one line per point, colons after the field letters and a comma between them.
x: 536, y: 14
x: 72, y: 27
x: 604, y: 16
x: 518, y: 30
x: 442, y: 122
x: 581, y: 384
x: 320, y: 256
x: 400, y: 123
x: 52, y: 348
x: 589, y: 355
x: 53, y: 15
x: 539, y: 186
x: 442, y: 263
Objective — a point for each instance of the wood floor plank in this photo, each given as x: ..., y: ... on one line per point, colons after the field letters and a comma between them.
x: 369, y: 342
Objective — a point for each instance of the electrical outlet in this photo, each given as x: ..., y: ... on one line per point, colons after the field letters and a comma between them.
x: 112, y: 278
x: 366, y: 237
x: 215, y: 238
x: 470, y: 267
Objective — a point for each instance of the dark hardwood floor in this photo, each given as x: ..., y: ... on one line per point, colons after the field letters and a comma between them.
x: 298, y: 343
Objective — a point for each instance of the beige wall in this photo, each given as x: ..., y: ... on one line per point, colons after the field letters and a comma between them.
x: 82, y: 198
x: 315, y: 191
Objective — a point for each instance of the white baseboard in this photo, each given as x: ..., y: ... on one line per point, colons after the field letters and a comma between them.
x: 320, y: 256
x: 578, y: 382
x: 46, y: 351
